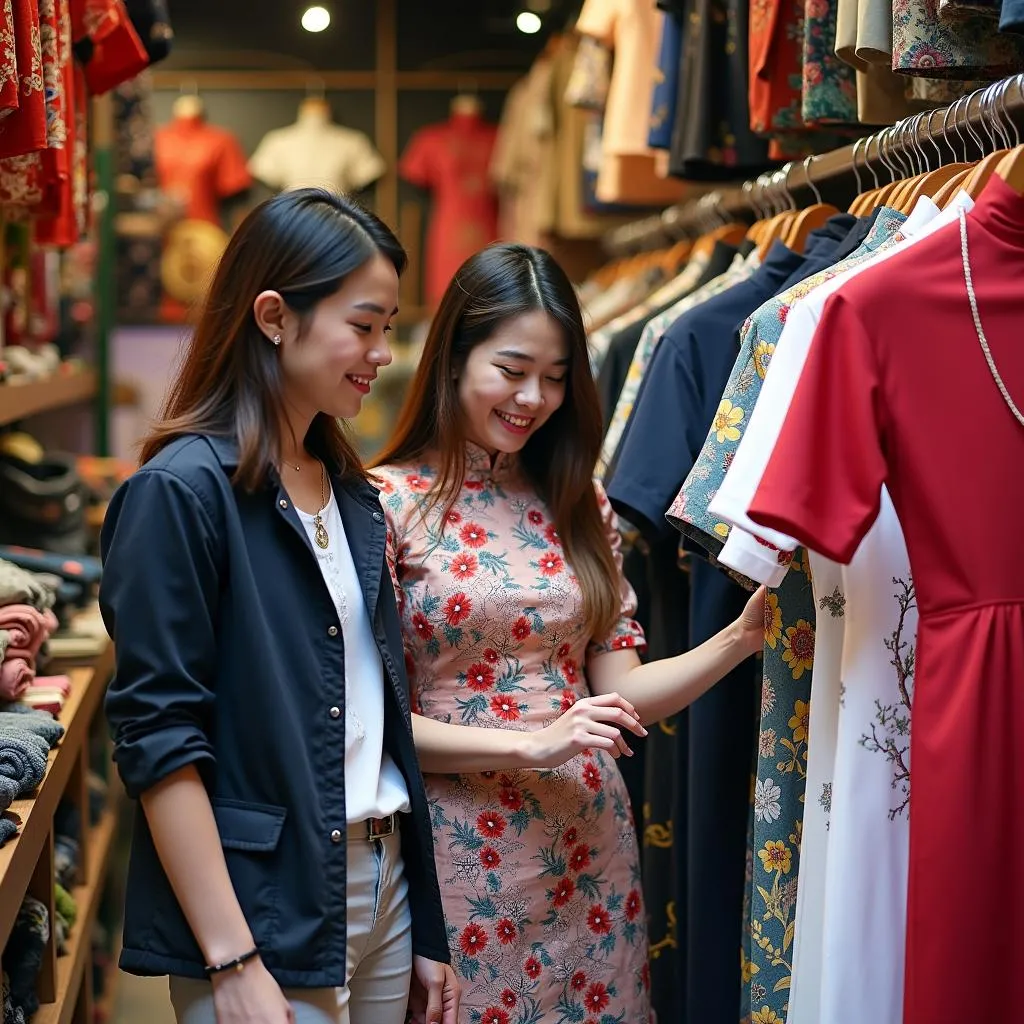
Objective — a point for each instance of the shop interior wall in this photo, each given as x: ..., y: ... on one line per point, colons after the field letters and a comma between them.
x: 461, y: 45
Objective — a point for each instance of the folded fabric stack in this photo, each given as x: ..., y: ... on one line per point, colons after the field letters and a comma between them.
x: 23, y: 959
x: 67, y: 827
x: 28, y: 701
x: 27, y: 622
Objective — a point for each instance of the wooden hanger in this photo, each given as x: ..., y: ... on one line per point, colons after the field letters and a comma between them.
x: 882, y: 196
x: 859, y: 198
x: 946, y: 192
x: 776, y: 227
x: 673, y: 258
x: 979, y: 177
x: 1011, y: 169
x: 809, y: 219
x: 929, y: 183
x: 774, y: 230
x: 755, y: 232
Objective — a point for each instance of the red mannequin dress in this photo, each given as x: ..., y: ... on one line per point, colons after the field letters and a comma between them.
x: 200, y: 165
x: 453, y: 159
x: 896, y: 389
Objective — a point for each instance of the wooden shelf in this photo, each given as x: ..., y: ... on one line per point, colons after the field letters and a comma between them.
x: 71, y: 967
x: 20, y: 855
x: 19, y: 401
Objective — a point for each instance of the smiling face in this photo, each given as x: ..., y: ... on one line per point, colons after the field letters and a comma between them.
x: 513, y: 382
x: 330, y: 366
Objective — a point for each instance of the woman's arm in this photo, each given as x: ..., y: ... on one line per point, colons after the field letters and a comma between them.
x: 596, y: 722
x: 193, y: 860
x: 662, y: 688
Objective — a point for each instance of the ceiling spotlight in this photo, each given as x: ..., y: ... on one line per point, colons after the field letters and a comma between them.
x: 528, y: 22
x: 316, y: 19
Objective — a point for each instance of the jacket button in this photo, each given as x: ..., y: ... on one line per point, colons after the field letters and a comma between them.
x: 378, y: 517
x: 332, y: 631
x: 283, y: 503
x: 335, y: 712
x: 336, y: 836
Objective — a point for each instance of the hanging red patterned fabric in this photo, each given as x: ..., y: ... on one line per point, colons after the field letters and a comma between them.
x: 25, y: 130
x: 8, y: 61
x: 107, y: 44
x: 34, y: 185
x: 58, y: 224
x: 22, y: 178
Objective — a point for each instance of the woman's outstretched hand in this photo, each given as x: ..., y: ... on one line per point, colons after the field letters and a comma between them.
x: 751, y: 623
x: 592, y: 723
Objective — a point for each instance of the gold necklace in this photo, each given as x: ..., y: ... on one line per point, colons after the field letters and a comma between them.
x: 320, y: 536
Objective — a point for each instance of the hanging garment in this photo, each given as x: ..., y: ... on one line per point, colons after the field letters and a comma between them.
x: 201, y: 165
x: 740, y: 269
x: 153, y: 26
x: 775, y: 59
x: 711, y: 139
x: 630, y: 327
x: 666, y: 81
x: 868, y: 428
x: 924, y: 44
x: 24, y: 130
x: 628, y: 172
x: 1011, y: 16
x: 316, y: 152
x: 523, y: 165
x: 540, y: 869
x: 452, y: 160
x: 829, y: 85
x: 9, y: 76
x: 106, y: 44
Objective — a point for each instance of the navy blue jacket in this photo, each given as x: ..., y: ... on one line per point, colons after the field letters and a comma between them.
x: 230, y: 657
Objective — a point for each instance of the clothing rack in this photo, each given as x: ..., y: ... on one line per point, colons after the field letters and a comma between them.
x: 988, y: 119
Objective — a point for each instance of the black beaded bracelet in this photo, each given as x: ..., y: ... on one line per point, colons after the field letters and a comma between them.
x: 232, y: 965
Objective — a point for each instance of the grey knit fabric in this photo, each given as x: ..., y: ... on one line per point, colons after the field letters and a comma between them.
x: 20, y: 587
x: 23, y: 759
x: 35, y: 722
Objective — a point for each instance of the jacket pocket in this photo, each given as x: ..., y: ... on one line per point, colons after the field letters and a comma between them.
x: 250, y: 835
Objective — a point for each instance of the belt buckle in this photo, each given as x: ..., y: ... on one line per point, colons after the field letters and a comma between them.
x: 380, y: 828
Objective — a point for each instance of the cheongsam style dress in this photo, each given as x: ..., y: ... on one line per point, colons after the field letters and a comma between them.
x: 539, y: 870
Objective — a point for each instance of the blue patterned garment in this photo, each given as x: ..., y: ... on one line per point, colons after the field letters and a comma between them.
x: 666, y: 82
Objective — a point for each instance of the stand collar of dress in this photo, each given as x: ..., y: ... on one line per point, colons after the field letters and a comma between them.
x: 481, y: 467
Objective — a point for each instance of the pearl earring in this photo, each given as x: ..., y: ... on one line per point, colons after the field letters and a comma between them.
x: 276, y: 339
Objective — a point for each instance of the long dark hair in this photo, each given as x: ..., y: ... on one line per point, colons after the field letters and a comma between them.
x: 496, y: 285
x: 302, y: 244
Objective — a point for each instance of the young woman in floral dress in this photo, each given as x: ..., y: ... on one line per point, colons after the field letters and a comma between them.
x: 522, y: 652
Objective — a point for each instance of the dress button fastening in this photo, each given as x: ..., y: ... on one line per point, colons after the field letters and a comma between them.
x: 378, y: 517
x: 335, y: 712
x: 336, y: 836
x: 283, y: 503
x: 333, y: 631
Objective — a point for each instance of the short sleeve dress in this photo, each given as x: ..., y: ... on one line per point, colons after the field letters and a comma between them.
x: 539, y: 870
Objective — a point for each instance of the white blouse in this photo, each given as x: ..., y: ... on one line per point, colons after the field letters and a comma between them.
x: 374, y: 786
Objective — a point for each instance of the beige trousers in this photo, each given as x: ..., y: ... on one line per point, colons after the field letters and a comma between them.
x: 379, y: 952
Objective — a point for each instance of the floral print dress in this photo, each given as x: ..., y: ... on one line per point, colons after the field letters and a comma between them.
x: 539, y: 870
